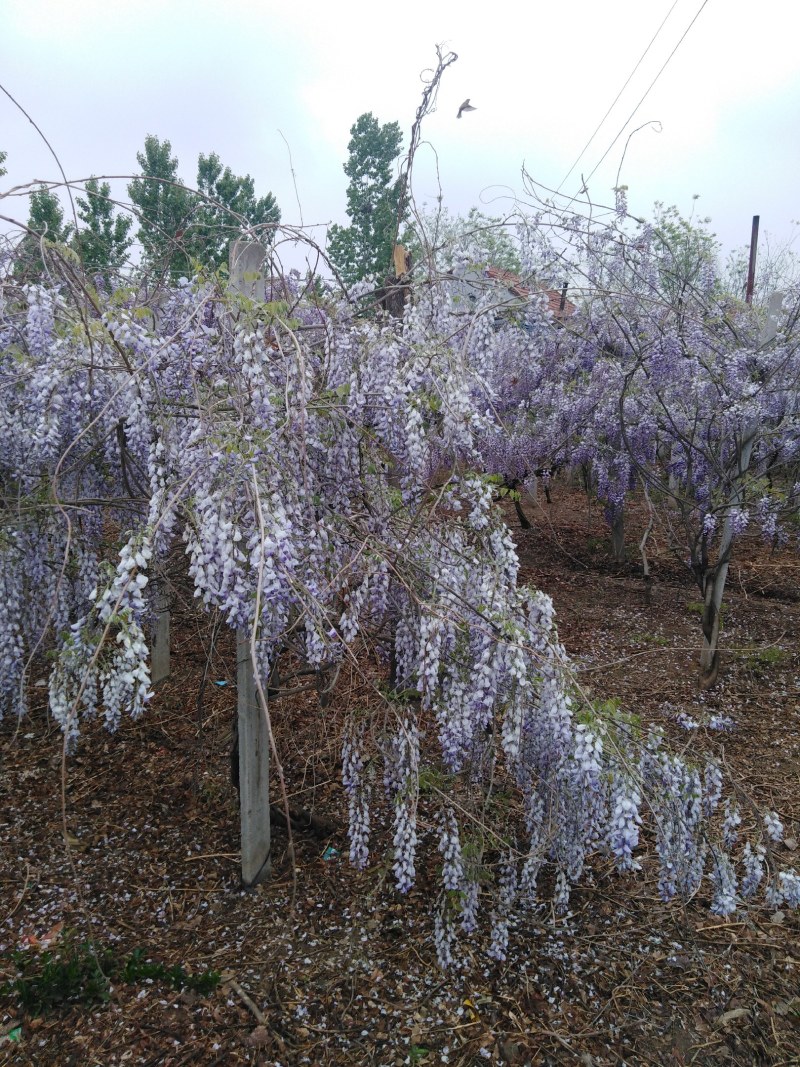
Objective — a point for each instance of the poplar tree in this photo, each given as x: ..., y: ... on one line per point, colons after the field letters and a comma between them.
x: 45, y: 223
x: 164, y: 208
x: 227, y: 207
x: 103, y: 242
x: 365, y: 246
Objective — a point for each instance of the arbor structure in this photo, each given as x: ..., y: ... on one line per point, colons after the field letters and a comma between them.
x: 373, y: 200
x: 666, y: 383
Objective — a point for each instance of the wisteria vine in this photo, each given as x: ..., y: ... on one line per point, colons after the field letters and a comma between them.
x: 338, y: 463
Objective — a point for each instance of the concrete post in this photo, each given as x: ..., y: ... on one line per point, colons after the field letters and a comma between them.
x: 253, y: 770
x: 247, y: 277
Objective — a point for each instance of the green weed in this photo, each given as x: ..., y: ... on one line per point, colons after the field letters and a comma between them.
x: 76, y: 974
x: 760, y: 660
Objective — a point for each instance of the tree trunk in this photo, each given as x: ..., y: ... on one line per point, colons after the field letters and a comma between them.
x: 712, y: 614
x: 714, y: 585
x: 524, y: 521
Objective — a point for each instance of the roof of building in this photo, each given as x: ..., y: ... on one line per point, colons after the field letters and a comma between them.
x: 513, y: 282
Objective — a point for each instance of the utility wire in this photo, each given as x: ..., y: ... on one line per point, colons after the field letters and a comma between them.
x: 647, y: 91
x: 598, y: 127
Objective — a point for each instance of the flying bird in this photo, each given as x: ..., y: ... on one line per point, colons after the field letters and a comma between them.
x: 466, y: 106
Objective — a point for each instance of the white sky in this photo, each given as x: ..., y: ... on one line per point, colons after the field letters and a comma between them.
x: 98, y: 75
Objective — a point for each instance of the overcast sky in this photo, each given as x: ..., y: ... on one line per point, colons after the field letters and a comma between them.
x: 239, y: 77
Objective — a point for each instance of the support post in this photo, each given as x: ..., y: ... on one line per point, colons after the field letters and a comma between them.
x: 253, y: 770
x: 247, y: 277
x: 246, y: 263
x: 159, y: 644
x: 618, y: 534
x: 751, y: 267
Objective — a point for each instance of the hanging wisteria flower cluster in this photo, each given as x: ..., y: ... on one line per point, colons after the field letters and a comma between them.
x: 328, y: 472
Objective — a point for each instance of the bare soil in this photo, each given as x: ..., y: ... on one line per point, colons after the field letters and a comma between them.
x: 325, y: 966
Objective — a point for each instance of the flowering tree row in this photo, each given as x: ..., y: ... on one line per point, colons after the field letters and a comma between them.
x: 326, y: 470
x: 662, y: 382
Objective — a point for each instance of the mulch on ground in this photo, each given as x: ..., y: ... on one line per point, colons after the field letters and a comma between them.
x: 326, y: 966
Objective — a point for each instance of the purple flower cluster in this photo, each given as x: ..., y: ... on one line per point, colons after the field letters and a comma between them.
x: 334, y: 493
x: 357, y: 789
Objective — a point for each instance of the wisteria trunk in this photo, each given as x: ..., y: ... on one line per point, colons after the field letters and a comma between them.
x: 716, y: 578
x: 709, y: 657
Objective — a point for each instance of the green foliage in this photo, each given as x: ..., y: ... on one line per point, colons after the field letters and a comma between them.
x: 138, y: 969
x: 365, y: 246
x: 431, y: 779
x: 164, y: 208
x: 51, y: 979
x: 227, y: 207
x: 76, y: 974
x: 438, y: 239
x: 45, y: 224
x: 103, y: 243
x: 686, y: 247
x: 650, y: 639
x: 761, y: 660
x: 178, y: 227
x: 697, y: 607
x: 3, y: 157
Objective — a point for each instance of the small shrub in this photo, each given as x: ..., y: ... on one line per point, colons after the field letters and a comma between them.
x: 71, y: 975
x: 77, y: 974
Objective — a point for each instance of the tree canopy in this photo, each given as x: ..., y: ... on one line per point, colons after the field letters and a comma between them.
x: 178, y: 225
x: 365, y: 246
x: 103, y: 241
x: 45, y: 223
x: 164, y: 208
x: 226, y: 207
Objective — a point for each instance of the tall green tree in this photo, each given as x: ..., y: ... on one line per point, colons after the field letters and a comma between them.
x: 227, y: 206
x: 45, y: 223
x: 365, y: 246
x: 2, y: 161
x: 164, y: 208
x: 686, y: 248
x: 103, y: 242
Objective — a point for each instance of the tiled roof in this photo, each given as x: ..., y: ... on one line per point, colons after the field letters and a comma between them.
x: 514, y: 284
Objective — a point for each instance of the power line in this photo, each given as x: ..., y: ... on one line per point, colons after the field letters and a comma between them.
x: 619, y: 94
x: 650, y: 86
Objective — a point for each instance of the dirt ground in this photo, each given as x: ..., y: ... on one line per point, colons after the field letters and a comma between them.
x: 325, y: 966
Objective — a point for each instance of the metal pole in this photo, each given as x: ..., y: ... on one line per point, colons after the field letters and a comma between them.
x: 751, y: 270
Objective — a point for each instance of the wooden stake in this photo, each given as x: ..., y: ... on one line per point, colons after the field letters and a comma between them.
x: 159, y: 645
x: 751, y: 268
